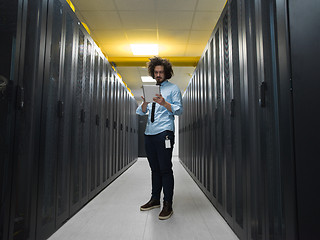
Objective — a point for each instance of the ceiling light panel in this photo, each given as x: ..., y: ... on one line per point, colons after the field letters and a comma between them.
x: 147, y: 79
x: 145, y: 49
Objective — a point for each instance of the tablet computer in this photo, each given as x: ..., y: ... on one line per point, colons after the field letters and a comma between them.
x: 150, y: 91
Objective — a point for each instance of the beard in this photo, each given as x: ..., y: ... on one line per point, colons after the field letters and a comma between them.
x: 159, y: 79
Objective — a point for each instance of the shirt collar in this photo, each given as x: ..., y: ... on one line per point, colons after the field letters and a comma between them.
x: 164, y: 83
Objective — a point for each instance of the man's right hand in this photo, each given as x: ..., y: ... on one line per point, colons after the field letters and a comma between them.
x: 144, y: 105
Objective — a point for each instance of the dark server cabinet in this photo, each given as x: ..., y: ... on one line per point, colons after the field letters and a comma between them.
x: 264, y: 190
x: 98, y: 128
x: 64, y: 105
x: 304, y: 38
x: 105, y: 124
x: 197, y: 126
x: 112, y: 124
x: 124, y: 117
x: 85, y: 114
x: 193, y: 125
x: 10, y: 29
x: 117, y: 126
x: 202, y: 123
x: 55, y: 93
x: 115, y: 123
x: 52, y: 112
x: 124, y: 141
x: 226, y: 109
x: 206, y: 132
x: 23, y: 104
x: 94, y: 126
x: 81, y: 112
x: 126, y: 127
x: 123, y: 131
x: 128, y: 124
x: 256, y: 82
x: 219, y: 124
x: 210, y: 111
x: 109, y: 123
x: 118, y: 120
x: 121, y: 113
x: 238, y: 161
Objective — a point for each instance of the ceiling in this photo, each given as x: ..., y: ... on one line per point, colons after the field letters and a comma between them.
x: 180, y: 27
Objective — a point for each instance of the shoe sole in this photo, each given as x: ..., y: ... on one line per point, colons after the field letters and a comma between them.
x: 146, y: 209
x: 166, y: 217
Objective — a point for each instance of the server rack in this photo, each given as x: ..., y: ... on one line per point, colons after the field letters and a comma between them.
x: 105, y: 124
x: 111, y: 123
x: 254, y: 101
x: 57, y: 107
x: 49, y: 126
x: 305, y: 90
x: 9, y: 52
x: 24, y: 91
x: 121, y: 106
x: 99, y: 128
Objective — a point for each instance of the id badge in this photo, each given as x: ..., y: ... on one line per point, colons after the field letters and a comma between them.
x: 167, y: 142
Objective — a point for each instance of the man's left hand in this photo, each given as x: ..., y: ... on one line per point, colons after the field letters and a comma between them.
x: 159, y: 99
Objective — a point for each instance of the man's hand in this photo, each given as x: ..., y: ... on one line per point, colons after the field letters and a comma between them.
x: 160, y: 100
x: 144, y: 101
x: 144, y: 105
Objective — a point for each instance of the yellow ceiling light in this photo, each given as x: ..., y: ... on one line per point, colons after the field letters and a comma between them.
x: 145, y: 49
x: 147, y: 79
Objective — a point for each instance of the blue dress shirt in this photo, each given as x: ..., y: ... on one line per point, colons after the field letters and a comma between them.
x: 163, y: 118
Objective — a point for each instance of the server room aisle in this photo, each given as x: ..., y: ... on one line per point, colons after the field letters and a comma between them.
x: 115, y: 213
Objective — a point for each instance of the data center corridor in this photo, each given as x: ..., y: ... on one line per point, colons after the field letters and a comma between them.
x: 115, y: 214
x: 249, y: 134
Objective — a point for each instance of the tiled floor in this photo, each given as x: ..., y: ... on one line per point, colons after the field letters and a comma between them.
x: 114, y: 213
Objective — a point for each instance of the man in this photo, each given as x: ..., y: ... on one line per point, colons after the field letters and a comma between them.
x: 159, y: 135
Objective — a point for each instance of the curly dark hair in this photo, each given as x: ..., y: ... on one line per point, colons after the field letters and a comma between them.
x: 158, y: 61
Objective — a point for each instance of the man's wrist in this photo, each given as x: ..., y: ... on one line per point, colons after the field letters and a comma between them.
x: 167, y: 105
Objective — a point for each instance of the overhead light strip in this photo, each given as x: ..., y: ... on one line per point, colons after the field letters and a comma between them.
x: 145, y: 49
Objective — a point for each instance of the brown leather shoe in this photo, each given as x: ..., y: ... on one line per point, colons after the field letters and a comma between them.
x: 166, y: 211
x: 150, y: 205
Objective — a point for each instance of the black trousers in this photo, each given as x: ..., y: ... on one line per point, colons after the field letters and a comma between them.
x: 160, y: 161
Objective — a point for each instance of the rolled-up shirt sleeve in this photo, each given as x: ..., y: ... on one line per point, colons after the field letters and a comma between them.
x: 176, y: 105
x: 140, y: 112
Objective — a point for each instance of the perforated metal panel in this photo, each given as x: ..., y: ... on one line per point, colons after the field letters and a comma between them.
x: 244, y: 101
x: 50, y: 123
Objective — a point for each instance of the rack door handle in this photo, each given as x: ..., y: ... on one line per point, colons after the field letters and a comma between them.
x: 60, y: 109
x: 232, y: 108
x: 82, y: 115
x: 97, y: 120
x: 20, y: 97
x: 263, y: 89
